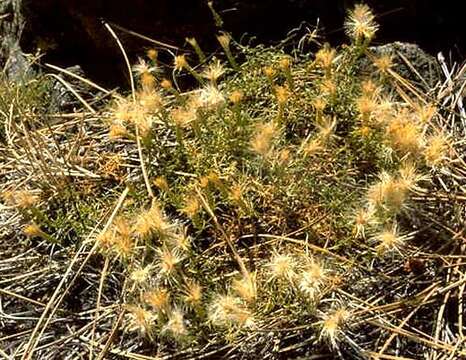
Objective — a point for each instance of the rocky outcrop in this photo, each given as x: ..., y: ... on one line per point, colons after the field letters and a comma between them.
x: 12, y: 23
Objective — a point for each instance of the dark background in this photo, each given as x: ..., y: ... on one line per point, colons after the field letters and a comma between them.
x: 71, y: 32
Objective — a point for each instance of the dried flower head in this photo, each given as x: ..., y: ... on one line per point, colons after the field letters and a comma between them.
x: 140, y: 319
x: 33, y: 230
x: 193, y: 293
x: 269, y: 72
x: 332, y: 325
x: 214, y: 71
x: 389, y: 240
x: 227, y: 310
x: 236, y: 96
x: 211, y: 98
x: 183, y: 117
x: 22, y: 199
x: 117, y: 131
x: 312, y: 279
x: 176, y: 325
x: 436, y: 150
x: 388, y: 193
x: 151, y: 221
x: 224, y: 40
x: 180, y: 62
x: 158, y: 299
x: 384, y: 63
x: 364, y: 218
x: 150, y: 101
x: 140, y: 275
x: 168, y: 260
x: 246, y: 287
x: 404, y: 134
x: 325, y: 57
x: 162, y: 183
x: 142, y: 67
x: 262, y: 141
x: 152, y: 54
x: 282, y: 94
x: 192, y: 206
x: 285, y: 63
x: 282, y: 266
x: 360, y: 23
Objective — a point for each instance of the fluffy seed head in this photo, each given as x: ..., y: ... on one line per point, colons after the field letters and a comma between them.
x: 388, y: 193
x: 211, y: 98
x: 325, y: 57
x: 360, y: 24
x: 161, y: 183
x: 140, y: 319
x: 168, y: 260
x: 435, y: 152
x: 383, y: 63
x: 246, y: 287
x: 332, y: 325
x: 193, y: 293
x: 176, y: 324
x: 141, y: 275
x: 180, y: 62
x: 265, y: 133
x: 389, y: 240
x: 282, y: 266
x: 227, y: 310
x: 214, y: 71
x: 192, y: 206
x: 312, y: 279
x: 224, y: 40
x: 158, y: 298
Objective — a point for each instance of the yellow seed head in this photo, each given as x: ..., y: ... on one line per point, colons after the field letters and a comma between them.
x: 214, y: 71
x: 435, y: 152
x: 388, y: 193
x: 117, y: 131
x: 152, y: 54
x: 283, y: 94
x: 332, y: 325
x: 236, y: 96
x: 176, y: 324
x: 227, y: 310
x: 168, y: 260
x: 192, y: 206
x: 325, y: 57
x: 282, y: 266
x: 141, y: 275
x: 193, y: 293
x: 33, y: 230
x: 180, y: 62
x: 140, y: 319
x: 262, y: 141
x: 246, y: 287
x: 389, y: 240
x: 360, y: 24
x: 384, y: 63
x: 158, y: 298
x: 312, y: 279
x: 285, y: 63
x: 269, y: 72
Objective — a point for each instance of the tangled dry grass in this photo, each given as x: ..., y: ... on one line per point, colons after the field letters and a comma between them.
x: 286, y: 206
